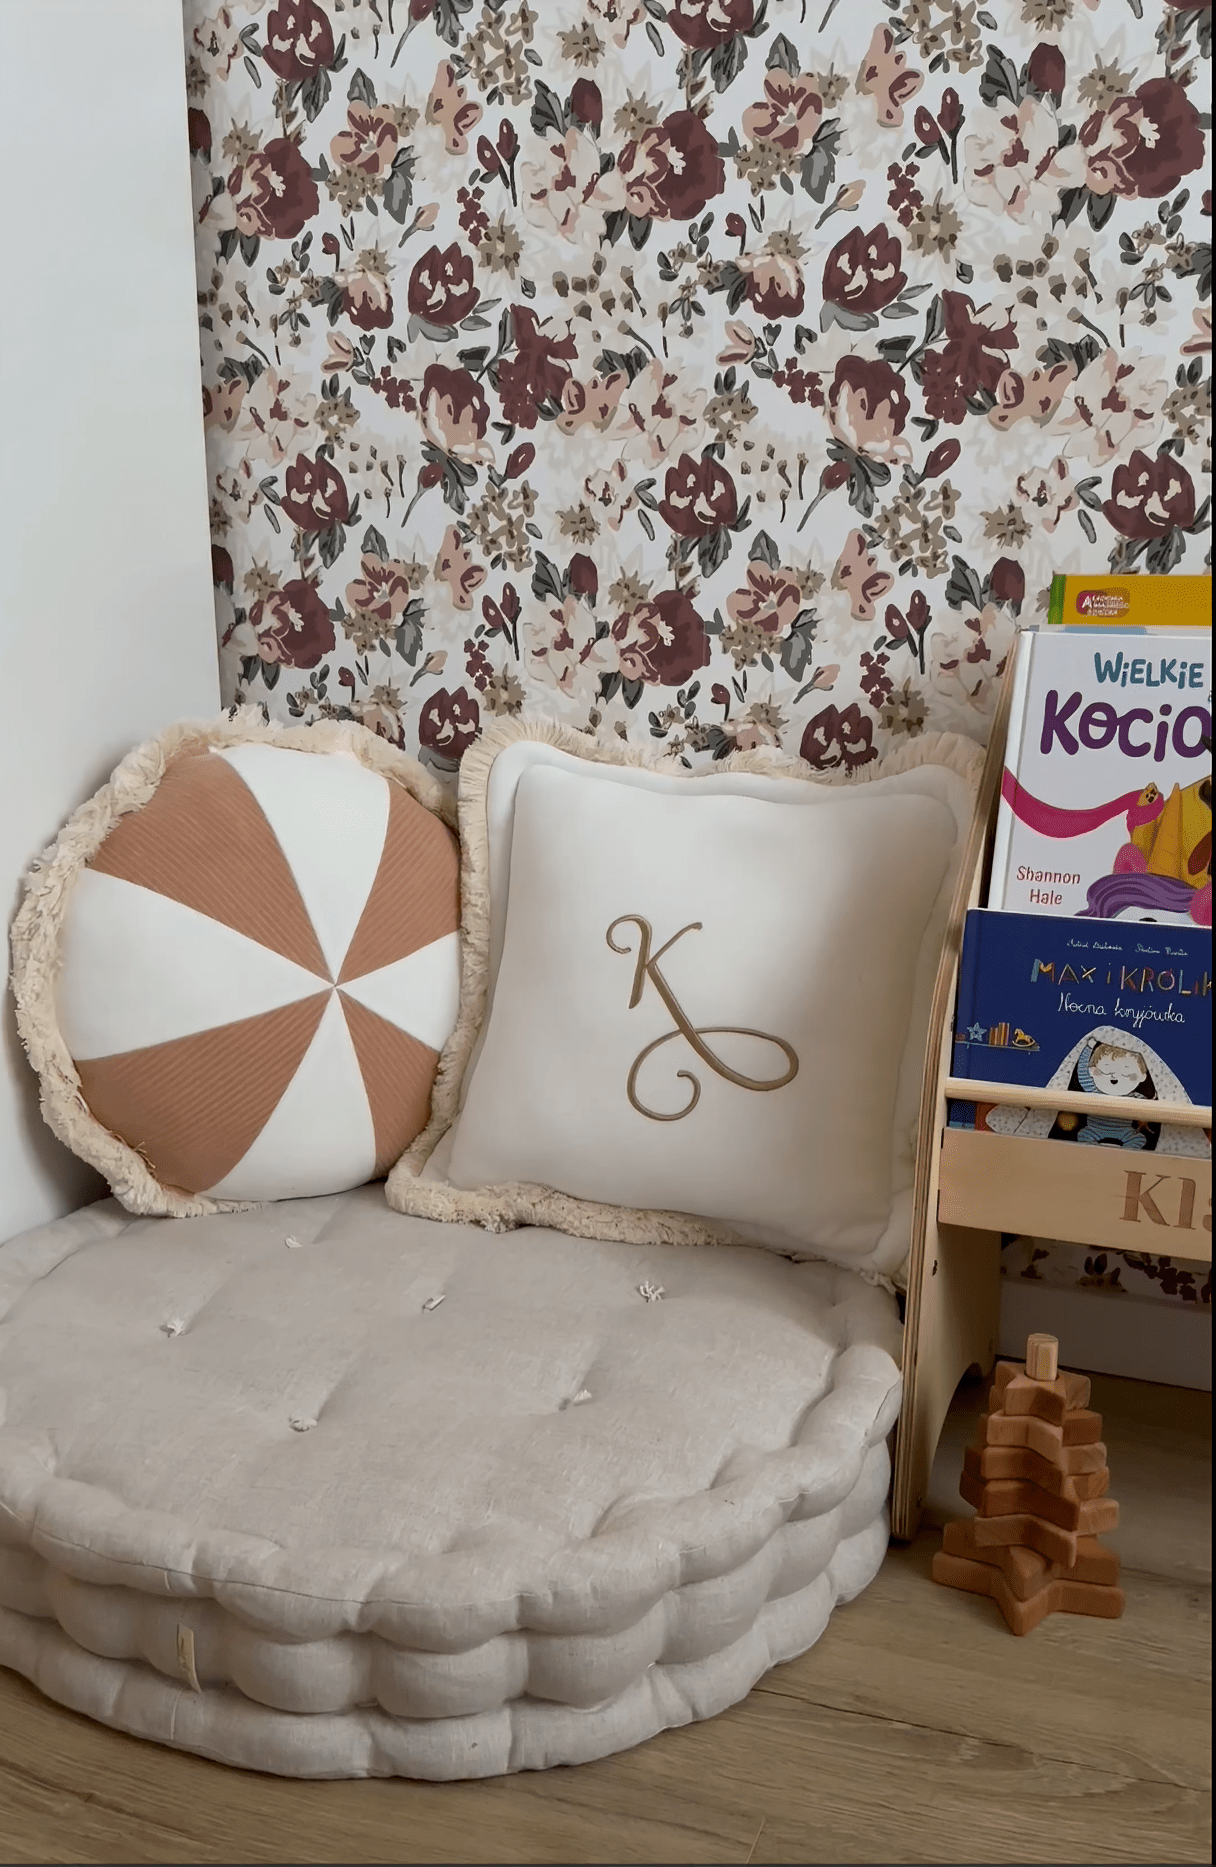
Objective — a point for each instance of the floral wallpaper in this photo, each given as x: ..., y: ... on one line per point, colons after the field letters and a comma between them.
x: 714, y: 373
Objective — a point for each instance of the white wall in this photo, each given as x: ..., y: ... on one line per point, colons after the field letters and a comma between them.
x: 106, y: 624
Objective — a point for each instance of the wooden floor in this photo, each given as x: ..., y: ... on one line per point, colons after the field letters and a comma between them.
x: 918, y: 1729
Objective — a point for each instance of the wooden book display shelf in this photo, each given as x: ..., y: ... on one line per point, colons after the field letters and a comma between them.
x: 972, y: 1187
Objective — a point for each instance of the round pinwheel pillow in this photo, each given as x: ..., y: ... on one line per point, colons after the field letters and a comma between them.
x: 238, y: 964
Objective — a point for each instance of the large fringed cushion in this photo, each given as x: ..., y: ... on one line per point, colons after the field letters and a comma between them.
x: 695, y: 1005
x: 238, y: 965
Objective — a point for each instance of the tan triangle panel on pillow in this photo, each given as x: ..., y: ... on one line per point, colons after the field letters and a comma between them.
x: 194, y: 1107
x: 398, y: 1072
x: 415, y: 897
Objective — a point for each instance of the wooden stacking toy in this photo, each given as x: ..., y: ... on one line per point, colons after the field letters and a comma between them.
x: 1038, y: 1479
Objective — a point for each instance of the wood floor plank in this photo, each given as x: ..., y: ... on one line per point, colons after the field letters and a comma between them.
x: 840, y: 1787
x: 165, y: 1805
x: 1150, y: 1672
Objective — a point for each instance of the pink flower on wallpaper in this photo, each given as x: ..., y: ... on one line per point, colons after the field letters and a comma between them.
x: 382, y: 589
x: 859, y: 575
x: 659, y: 412
x: 366, y: 298
x: 590, y: 404
x: 1116, y: 398
x: 610, y: 494
x: 1047, y: 492
x: 568, y: 657
x: 789, y: 113
x: 450, y: 106
x: 886, y: 77
x: 1034, y: 397
x: 673, y: 170
x: 769, y: 600
x: 369, y: 141
x: 456, y: 567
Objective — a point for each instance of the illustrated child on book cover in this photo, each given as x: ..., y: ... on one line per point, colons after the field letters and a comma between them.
x: 1108, y: 1061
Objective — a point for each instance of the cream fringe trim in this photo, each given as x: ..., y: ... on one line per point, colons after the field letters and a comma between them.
x: 37, y: 930
x: 502, y: 1208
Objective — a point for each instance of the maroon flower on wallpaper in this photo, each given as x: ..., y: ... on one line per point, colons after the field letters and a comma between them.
x: 455, y: 413
x: 273, y: 192
x: 222, y: 573
x: 775, y: 286
x: 1149, y: 497
x: 672, y: 170
x: 293, y: 625
x: 299, y: 40
x: 698, y: 497
x: 587, y: 103
x: 863, y: 271
x: 366, y: 300
x: 662, y: 642
x: 704, y: 24
x: 868, y: 407
x: 583, y: 578
x: 536, y: 373
x: 788, y: 114
x: 838, y: 736
x: 199, y: 131
x: 1007, y: 584
x: 975, y: 356
x: 441, y: 287
x: 449, y: 723
x: 316, y: 495
x: 1046, y: 69
x: 1144, y: 144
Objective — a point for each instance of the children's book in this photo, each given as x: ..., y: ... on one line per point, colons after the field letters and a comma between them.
x: 1107, y: 1008
x: 1106, y: 796
x: 1134, y: 603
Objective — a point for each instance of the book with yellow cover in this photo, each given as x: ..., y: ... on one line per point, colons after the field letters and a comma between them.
x: 1130, y: 603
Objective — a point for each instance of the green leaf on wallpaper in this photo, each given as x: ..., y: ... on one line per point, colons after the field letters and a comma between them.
x: 1000, y: 80
x: 361, y: 89
x: 797, y: 649
x: 374, y: 544
x: 782, y: 56
x: 270, y: 672
x: 727, y: 61
x: 331, y: 543
x: 398, y: 194
x: 548, y: 111
x: 447, y: 19
x: 963, y: 586
x: 632, y: 691
x: 818, y: 170
x: 408, y: 637
x: 314, y: 94
x: 763, y: 549
x: 855, y: 320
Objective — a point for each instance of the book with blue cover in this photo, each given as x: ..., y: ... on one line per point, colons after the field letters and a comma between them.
x: 1118, y: 1008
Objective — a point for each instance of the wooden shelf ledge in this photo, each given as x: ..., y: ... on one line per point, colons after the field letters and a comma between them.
x: 1022, y: 1096
x: 1113, y: 1198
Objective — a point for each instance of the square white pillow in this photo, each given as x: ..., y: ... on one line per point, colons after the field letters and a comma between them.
x: 694, y: 1006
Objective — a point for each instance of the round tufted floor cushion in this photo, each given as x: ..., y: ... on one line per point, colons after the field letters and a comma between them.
x: 323, y: 1490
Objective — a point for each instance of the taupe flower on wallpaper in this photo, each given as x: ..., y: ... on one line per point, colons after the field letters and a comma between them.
x: 715, y: 373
